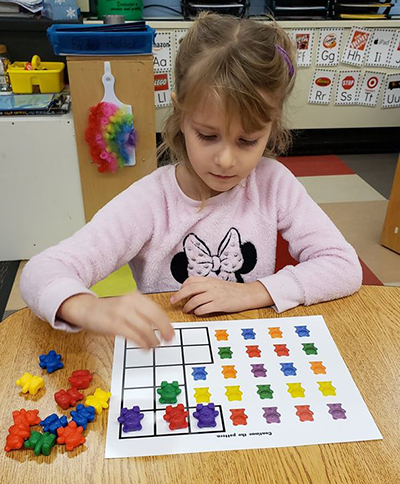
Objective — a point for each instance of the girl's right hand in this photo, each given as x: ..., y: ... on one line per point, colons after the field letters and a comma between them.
x: 133, y: 316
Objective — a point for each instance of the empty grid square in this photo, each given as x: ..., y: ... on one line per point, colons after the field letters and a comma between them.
x: 139, y: 377
x: 169, y: 374
x: 176, y: 340
x: 137, y: 357
x: 197, y: 355
x: 195, y: 336
x: 168, y: 356
x: 144, y: 397
x: 147, y: 428
x: 163, y: 426
x: 131, y: 344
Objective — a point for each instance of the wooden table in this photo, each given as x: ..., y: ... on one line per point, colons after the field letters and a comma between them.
x: 365, y: 327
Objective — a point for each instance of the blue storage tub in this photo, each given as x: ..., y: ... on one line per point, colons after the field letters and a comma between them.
x: 67, y: 39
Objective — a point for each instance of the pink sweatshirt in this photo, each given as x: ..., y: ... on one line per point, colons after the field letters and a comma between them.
x: 165, y: 238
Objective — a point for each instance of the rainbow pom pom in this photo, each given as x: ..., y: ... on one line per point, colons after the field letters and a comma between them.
x: 111, y: 136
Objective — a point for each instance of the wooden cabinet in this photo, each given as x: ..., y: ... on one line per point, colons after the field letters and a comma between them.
x: 134, y: 85
x: 391, y: 228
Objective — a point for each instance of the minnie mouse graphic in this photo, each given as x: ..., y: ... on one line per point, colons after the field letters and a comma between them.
x: 233, y: 259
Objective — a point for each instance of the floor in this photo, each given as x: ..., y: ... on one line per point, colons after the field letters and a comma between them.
x: 353, y: 190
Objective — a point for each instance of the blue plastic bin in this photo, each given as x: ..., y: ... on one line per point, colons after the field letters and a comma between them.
x: 99, y: 43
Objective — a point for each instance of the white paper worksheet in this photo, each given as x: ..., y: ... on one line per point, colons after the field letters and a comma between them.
x: 267, y: 382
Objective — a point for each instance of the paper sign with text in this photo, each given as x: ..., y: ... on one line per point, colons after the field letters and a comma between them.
x: 162, y: 52
x: 394, y: 55
x: 356, y: 46
x: 391, y: 91
x: 303, y: 40
x: 347, y: 86
x: 379, y: 47
x: 329, y: 47
x: 370, y: 87
x: 321, y: 86
x: 162, y: 89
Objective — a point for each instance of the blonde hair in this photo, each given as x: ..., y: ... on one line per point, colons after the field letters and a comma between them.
x: 238, y: 61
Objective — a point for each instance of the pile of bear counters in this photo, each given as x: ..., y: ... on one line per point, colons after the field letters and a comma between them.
x: 55, y: 428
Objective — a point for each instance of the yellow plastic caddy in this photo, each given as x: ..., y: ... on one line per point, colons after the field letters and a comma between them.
x: 49, y: 76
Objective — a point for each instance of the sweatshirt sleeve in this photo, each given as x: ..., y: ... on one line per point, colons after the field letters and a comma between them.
x: 110, y: 240
x: 328, y: 267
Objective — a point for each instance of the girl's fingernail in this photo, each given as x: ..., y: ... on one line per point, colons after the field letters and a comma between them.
x: 172, y: 299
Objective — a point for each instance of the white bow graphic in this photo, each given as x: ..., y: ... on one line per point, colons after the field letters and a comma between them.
x: 228, y: 260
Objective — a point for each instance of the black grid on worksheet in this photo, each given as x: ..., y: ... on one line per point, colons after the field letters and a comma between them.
x: 167, y: 358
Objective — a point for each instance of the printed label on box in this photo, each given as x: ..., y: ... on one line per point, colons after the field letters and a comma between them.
x: 370, y: 87
x: 347, y: 87
x: 162, y: 52
x: 304, y: 40
x: 379, y: 47
x: 394, y: 55
x: 356, y: 46
x: 321, y: 86
x: 162, y: 89
x: 391, y: 91
x: 329, y: 47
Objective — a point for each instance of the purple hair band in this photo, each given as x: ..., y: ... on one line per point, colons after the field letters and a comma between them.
x: 286, y: 58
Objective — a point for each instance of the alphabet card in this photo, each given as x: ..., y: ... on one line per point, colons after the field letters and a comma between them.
x: 370, y: 87
x: 230, y: 385
x: 162, y: 52
x: 347, y: 86
x: 379, y: 47
x: 329, y: 47
x: 321, y: 86
x: 391, y: 91
x: 179, y: 34
x: 394, y: 56
x: 162, y: 89
x: 304, y: 40
x: 356, y: 46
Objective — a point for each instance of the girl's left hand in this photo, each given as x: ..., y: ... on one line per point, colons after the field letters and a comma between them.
x: 211, y: 295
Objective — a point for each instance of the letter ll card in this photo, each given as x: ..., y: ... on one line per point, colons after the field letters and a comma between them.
x: 347, y: 86
x: 370, y: 87
x: 162, y: 90
x: 329, y: 47
x: 356, y: 46
x: 321, y: 86
x: 391, y: 92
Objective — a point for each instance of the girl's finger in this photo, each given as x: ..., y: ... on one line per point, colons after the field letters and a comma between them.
x: 157, y: 318
x: 141, y: 326
x: 197, y: 301
x: 129, y: 333
x: 188, y: 291
x: 205, y: 309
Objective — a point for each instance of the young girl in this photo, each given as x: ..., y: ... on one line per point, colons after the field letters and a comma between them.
x: 207, y: 225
